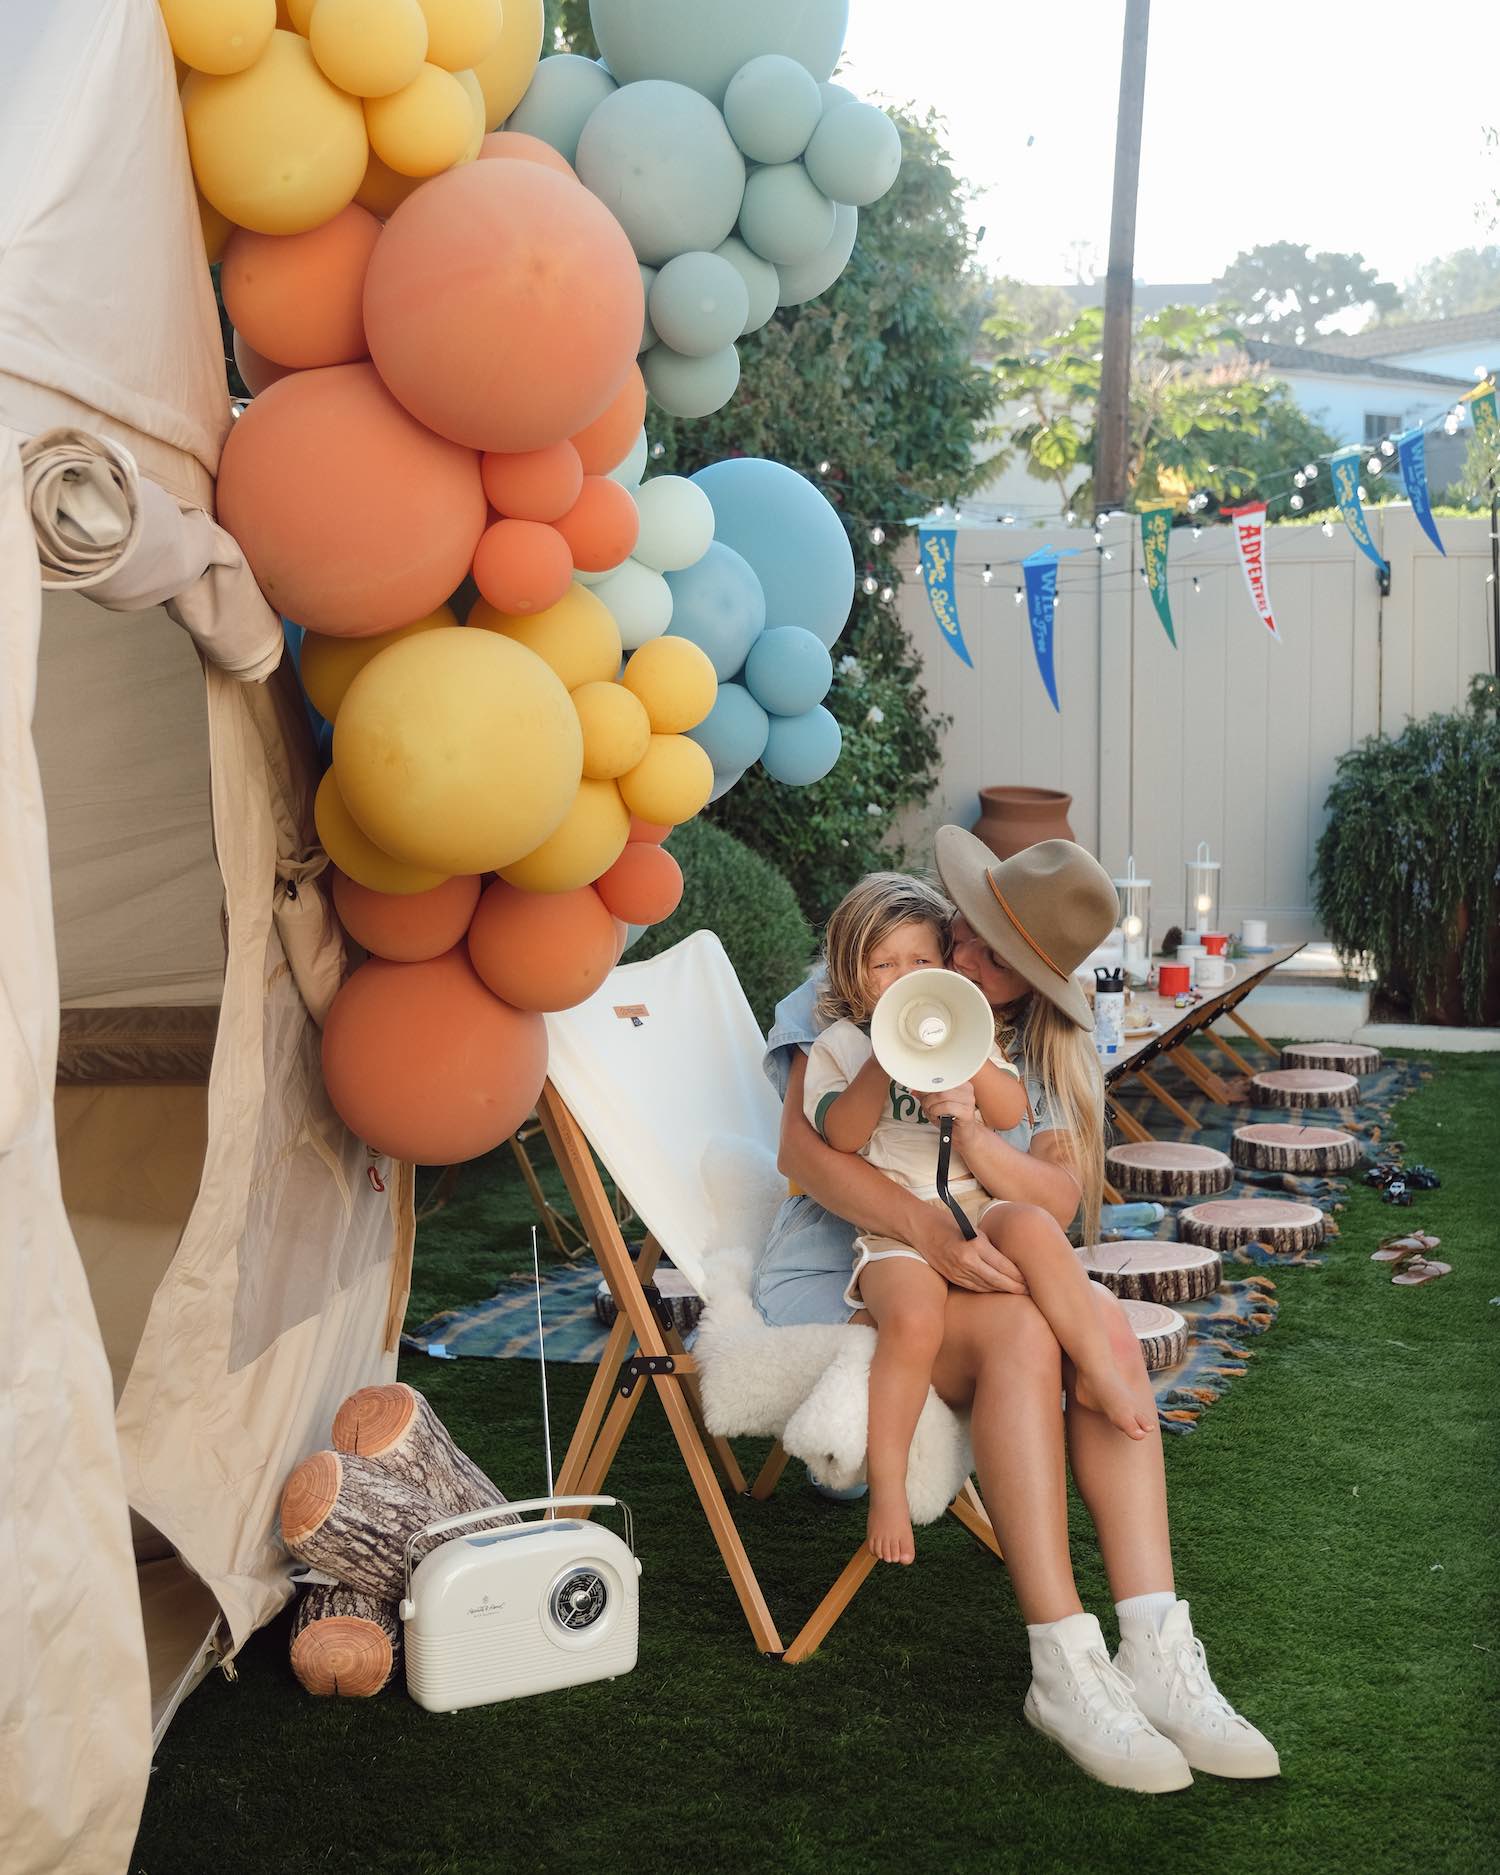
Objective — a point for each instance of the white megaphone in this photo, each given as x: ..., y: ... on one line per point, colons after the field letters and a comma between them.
x: 934, y: 1029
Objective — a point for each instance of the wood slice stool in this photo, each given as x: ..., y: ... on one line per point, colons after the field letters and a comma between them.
x: 1169, y: 1168
x: 1161, y: 1332
x: 1154, y: 1272
x: 1293, y: 1148
x: 1278, y: 1223
x: 1304, y: 1087
x: 1341, y: 1057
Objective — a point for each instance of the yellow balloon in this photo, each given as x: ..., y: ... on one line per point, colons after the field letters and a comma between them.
x: 461, y: 32
x: 670, y: 783
x: 476, y: 105
x: 216, y: 230
x: 354, y: 853
x: 369, y: 47
x: 675, y: 680
x: 219, y: 36
x: 298, y: 14
x: 330, y: 665
x: 505, y: 72
x: 589, y: 841
x: 276, y: 148
x: 458, y: 750
x: 383, y: 191
x: 578, y: 636
x: 616, y: 729
x: 424, y: 128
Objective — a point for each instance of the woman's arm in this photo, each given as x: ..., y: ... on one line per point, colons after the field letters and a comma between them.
x: 852, y: 1188
x: 1043, y: 1176
x: 851, y: 1117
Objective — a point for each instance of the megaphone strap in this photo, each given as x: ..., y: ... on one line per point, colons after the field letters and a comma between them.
x: 1000, y: 899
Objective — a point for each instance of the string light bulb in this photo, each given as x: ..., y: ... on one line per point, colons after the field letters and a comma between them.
x: 1098, y: 537
x: 1387, y: 447
x: 1196, y: 586
x: 1328, y: 529
x: 887, y: 593
x: 1311, y: 471
x: 658, y: 450
x: 877, y: 534
x: 1020, y: 596
x: 1360, y: 491
x: 1450, y: 424
x: 1071, y: 516
x: 1196, y: 532
x: 988, y: 575
x: 1299, y: 480
x: 871, y: 585
x: 824, y: 466
x: 1375, y: 466
x: 1108, y: 554
x: 1296, y: 502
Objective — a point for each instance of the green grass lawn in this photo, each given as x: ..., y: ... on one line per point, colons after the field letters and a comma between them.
x: 1335, y: 1525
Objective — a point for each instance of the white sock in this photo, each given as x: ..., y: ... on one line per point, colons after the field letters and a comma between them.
x: 1149, y: 1608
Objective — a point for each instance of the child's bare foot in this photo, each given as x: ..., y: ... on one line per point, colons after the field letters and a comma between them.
x: 1105, y: 1390
x: 888, y: 1534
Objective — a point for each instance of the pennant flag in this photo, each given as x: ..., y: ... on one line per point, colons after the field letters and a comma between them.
x: 935, y: 545
x: 1250, y: 537
x: 1411, y: 455
x: 1345, y: 468
x: 1481, y: 402
x: 1039, y: 570
x: 1156, y: 532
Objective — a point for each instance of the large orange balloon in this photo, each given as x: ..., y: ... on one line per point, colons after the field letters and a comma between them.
x: 523, y: 148
x: 297, y: 298
x: 354, y: 518
x: 257, y: 371
x: 503, y: 306
x: 602, y: 525
x: 536, y: 485
x: 542, y: 950
x: 522, y: 566
x: 609, y: 439
x: 423, y: 1063
x: 643, y: 886
x: 410, y: 929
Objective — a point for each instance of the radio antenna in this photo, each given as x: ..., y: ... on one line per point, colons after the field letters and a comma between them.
x: 541, y: 1346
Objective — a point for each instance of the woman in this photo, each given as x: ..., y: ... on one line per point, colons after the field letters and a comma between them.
x: 1149, y: 1718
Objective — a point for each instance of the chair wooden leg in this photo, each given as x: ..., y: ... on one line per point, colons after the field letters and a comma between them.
x: 600, y: 1396
x: 1224, y: 1048
x: 969, y: 1509
x: 1111, y: 1195
x: 611, y: 1435
x: 1129, y: 1125
x: 769, y: 1475
x: 720, y: 1448
x: 1245, y: 1029
x: 1158, y: 1092
x: 833, y: 1604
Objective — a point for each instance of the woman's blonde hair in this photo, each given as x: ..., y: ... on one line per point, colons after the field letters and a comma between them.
x: 1063, y: 1059
x: 866, y: 916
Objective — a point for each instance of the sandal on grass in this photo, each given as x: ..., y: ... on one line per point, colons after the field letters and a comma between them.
x: 1420, y: 1270
x: 1398, y: 1249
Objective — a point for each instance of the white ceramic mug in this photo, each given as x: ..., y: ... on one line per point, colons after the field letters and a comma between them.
x: 1212, y: 973
x: 1193, y: 955
x: 1253, y: 937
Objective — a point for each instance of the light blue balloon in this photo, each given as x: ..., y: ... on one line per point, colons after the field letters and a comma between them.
x: 649, y: 334
x: 855, y: 154
x: 791, y: 536
x: 772, y: 107
x: 788, y: 671
x: 785, y: 217
x: 722, y: 785
x: 660, y: 159
x: 699, y: 304
x: 703, y: 43
x: 691, y: 387
x: 717, y: 603
x: 563, y: 94
x: 733, y: 734
x: 834, y: 95
x: 802, y: 749
x: 798, y: 284
x: 762, y: 281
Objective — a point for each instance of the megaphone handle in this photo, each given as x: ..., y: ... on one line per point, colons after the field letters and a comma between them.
x: 945, y: 1153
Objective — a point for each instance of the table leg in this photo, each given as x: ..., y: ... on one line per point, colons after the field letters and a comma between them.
x: 1158, y: 1092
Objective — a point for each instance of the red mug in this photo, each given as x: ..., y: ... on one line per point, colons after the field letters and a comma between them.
x: 1174, y: 979
x: 1216, y: 943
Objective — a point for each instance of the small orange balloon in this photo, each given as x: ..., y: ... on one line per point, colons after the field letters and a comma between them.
x: 609, y: 439
x: 423, y: 1063
x: 542, y: 950
x: 535, y: 485
x: 643, y: 886
x: 649, y: 831
x: 602, y: 525
x: 298, y: 297
x: 409, y: 929
x: 257, y: 372
x: 522, y: 567
x: 384, y: 189
x: 526, y: 149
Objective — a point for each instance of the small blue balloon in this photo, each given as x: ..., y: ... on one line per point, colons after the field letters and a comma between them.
x: 792, y: 537
x: 718, y: 604
x: 733, y: 734
x: 563, y: 94
x: 802, y: 749
x: 788, y: 671
x: 723, y: 783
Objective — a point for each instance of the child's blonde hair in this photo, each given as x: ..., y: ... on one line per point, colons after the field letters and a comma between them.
x: 866, y: 916
x: 1064, y: 1061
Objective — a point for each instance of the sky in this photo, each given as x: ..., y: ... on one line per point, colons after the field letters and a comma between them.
x: 1251, y: 116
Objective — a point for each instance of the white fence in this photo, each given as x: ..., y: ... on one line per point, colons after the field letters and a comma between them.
x: 1231, y: 737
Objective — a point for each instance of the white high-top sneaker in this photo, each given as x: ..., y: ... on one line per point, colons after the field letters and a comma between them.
x: 1176, y: 1691
x: 1082, y: 1702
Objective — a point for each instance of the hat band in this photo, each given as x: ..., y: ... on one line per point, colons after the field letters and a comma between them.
x: 1000, y: 900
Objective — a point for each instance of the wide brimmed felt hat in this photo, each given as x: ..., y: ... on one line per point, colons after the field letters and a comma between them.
x: 1042, y: 911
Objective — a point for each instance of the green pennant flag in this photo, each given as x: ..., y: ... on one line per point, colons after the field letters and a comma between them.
x: 1156, y: 531
x: 1485, y: 417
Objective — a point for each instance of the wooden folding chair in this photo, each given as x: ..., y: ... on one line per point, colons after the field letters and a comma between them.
x: 645, y: 1353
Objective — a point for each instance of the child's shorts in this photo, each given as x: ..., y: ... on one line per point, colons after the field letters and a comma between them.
x: 975, y: 1205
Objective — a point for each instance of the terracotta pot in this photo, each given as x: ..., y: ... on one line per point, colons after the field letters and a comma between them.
x: 1013, y: 818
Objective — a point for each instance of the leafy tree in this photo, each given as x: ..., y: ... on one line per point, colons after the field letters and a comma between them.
x: 1287, y: 292
x: 1467, y: 280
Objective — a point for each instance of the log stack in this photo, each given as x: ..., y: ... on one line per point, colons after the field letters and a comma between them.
x: 1339, y: 1057
x: 1154, y: 1272
x: 343, y: 1642
x: 1168, y: 1169
x: 1304, y: 1087
x: 1278, y: 1223
x: 1308, y: 1151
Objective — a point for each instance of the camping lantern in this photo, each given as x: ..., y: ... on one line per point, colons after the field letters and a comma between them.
x: 1202, y: 892
x: 1135, y: 920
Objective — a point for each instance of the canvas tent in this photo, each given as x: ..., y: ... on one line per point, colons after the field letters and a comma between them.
x: 197, y: 1261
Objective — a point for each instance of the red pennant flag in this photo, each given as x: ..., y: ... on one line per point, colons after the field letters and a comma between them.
x: 1250, y: 536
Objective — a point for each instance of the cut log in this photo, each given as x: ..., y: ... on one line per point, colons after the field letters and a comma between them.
x: 1278, y: 1223
x: 1292, y: 1148
x: 351, y: 1518
x: 395, y: 1426
x: 1304, y: 1087
x: 1169, y: 1168
x: 683, y: 1302
x: 1154, y: 1272
x: 1340, y: 1057
x: 1161, y: 1332
x: 344, y: 1642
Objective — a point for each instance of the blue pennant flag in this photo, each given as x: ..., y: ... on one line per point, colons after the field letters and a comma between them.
x: 935, y: 545
x: 1411, y: 454
x: 1039, y: 570
x: 1345, y: 467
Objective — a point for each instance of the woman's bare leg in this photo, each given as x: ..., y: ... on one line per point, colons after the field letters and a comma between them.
x: 906, y: 1300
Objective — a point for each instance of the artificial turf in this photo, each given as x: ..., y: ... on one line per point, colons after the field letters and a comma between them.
x: 1334, y: 1520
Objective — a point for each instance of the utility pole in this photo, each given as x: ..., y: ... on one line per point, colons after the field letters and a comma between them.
x: 1112, y: 448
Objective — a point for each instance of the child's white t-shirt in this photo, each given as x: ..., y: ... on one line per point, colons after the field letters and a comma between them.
x: 904, y: 1144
